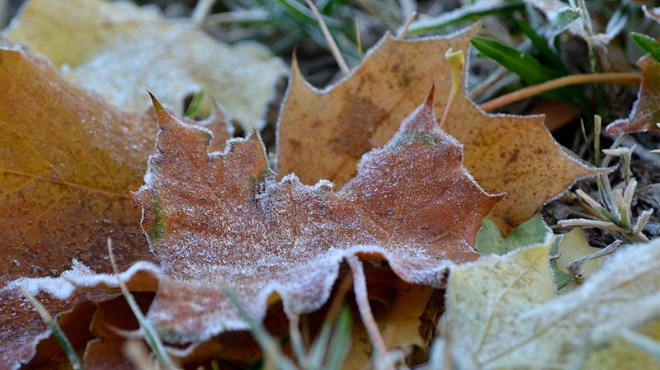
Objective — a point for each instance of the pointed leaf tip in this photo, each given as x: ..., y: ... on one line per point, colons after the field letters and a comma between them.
x: 162, y: 115
x: 430, y: 98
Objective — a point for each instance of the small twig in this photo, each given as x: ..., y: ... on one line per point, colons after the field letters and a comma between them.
x: 362, y: 300
x: 575, y: 268
x: 332, y: 45
x: 406, y: 26
x: 578, y: 79
x: 202, y: 10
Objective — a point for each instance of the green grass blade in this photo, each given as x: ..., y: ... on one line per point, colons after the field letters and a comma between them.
x: 563, y: 21
x: 300, y: 12
x: 193, y: 108
x: 320, y: 346
x: 341, y: 340
x: 57, y: 331
x: 150, y: 334
x: 463, y: 14
x: 268, y: 345
x: 647, y: 43
x: 541, y: 45
x: 522, y: 64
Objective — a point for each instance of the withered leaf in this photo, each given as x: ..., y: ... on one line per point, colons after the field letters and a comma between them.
x: 502, y: 313
x: 67, y: 165
x: 221, y: 219
x: 323, y: 134
x: 119, y: 49
x: 645, y: 115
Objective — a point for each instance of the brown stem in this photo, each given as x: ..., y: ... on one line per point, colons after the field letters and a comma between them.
x: 528, y: 92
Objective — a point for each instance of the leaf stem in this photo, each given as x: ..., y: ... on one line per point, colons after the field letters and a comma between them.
x: 577, y: 79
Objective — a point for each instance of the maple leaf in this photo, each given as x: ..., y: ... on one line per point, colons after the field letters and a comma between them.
x: 489, y: 240
x: 67, y: 166
x: 119, y: 50
x: 222, y: 219
x: 645, y: 114
x: 334, y: 127
x: 502, y: 313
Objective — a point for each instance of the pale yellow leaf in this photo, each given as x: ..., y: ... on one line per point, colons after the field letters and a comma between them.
x: 573, y: 246
x: 120, y: 51
x: 502, y: 313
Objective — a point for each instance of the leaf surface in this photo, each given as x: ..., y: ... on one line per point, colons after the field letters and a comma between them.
x: 222, y: 219
x: 489, y: 240
x: 502, y: 312
x: 120, y: 50
x: 645, y: 114
x: 336, y: 126
x: 67, y: 165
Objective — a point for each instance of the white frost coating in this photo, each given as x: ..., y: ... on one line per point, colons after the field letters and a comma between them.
x: 79, y: 276
x: 510, y: 326
x: 137, y: 50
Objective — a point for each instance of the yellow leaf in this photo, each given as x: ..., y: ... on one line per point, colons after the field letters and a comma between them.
x: 120, y: 50
x: 502, y: 313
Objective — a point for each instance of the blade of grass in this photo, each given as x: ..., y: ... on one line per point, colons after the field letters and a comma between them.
x: 463, y: 14
x: 193, y: 108
x: 304, y: 15
x: 332, y: 45
x: 522, y: 64
x: 57, y: 331
x: 647, y: 43
x: 150, y: 335
x: 268, y: 345
x: 341, y: 340
x: 542, y: 46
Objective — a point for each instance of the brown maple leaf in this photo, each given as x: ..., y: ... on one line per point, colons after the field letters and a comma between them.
x: 222, y: 219
x: 645, y: 115
x: 323, y: 134
x: 67, y: 165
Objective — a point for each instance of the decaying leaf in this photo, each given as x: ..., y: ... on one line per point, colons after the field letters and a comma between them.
x: 489, y: 240
x: 645, y: 115
x: 502, y: 313
x: 323, y: 134
x: 67, y: 166
x: 120, y: 50
x: 222, y: 219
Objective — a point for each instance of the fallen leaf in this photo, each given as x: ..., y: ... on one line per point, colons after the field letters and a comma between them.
x: 574, y: 245
x: 67, y: 166
x: 119, y: 50
x: 489, y: 240
x: 323, y: 134
x: 502, y: 312
x: 645, y: 114
x: 221, y: 219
